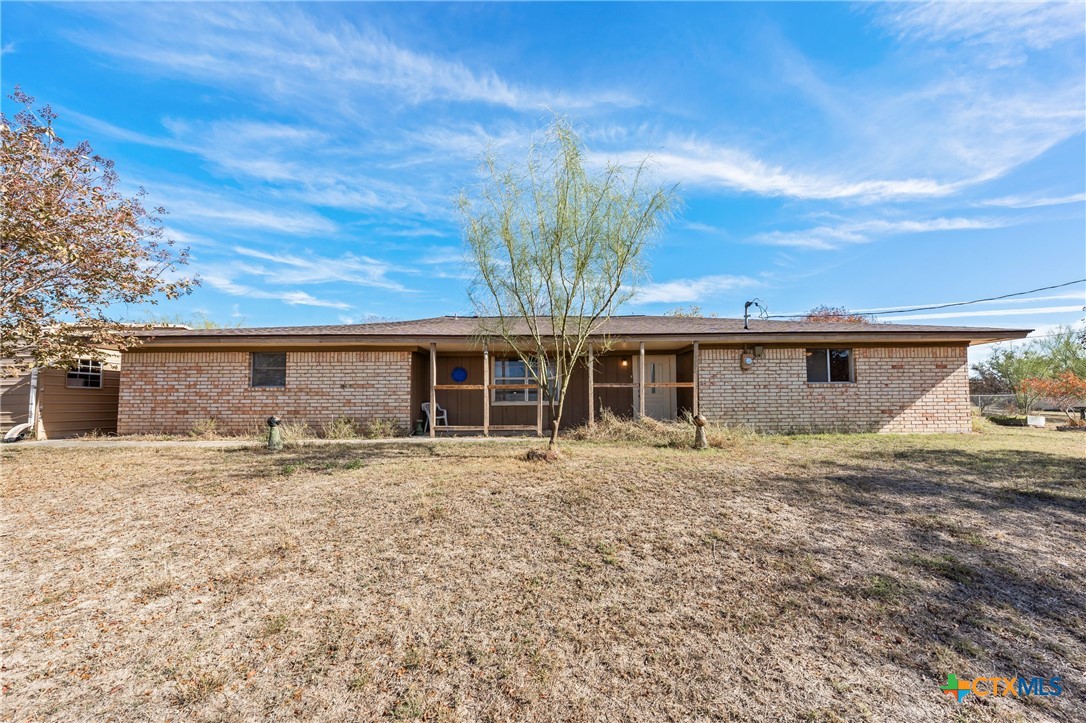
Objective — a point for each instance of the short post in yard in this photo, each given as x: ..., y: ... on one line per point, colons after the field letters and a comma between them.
x: 701, y: 441
x: 275, y: 437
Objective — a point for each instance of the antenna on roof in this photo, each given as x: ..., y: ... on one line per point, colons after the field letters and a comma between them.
x: 762, y: 314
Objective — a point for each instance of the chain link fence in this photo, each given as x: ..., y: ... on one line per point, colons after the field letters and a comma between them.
x: 1004, y: 404
x: 994, y: 403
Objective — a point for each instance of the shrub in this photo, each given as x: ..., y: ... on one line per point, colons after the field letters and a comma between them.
x: 342, y: 428
x: 205, y: 429
x: 383, y: 429
x: 612, y: 428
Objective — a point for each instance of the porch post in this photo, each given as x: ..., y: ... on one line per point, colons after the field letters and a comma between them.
x: 539, y: 411
x: 591, y: 386
x: 433, y: 391
x: 641, y: 382
x: 486, y: 390
x: 695, y: 379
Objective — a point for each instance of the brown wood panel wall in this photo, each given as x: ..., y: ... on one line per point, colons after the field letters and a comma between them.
x: 70, y: 412
x: 684, y: 372
x: 466, y: 407
x: 420, y: 380
x: 609, y: 370
x: 14, y: 401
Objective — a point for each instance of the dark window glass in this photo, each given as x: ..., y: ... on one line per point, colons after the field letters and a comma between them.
x: 829, y: 365
x: 269, y: 370
x: 87, y: 373
x: 840, y: 365
x: 817, y: 367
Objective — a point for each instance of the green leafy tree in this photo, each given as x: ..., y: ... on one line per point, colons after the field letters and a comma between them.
x: 557, y: 248
x: 1042, y: 358
x: 72, y: 246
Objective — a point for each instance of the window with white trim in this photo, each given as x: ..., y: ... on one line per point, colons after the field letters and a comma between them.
x: 514, y: 372
x: 86, y: 374
x: 829, y: 366
x: 268, y: 370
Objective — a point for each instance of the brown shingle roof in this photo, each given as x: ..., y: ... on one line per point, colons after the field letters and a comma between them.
x: 618, y: 326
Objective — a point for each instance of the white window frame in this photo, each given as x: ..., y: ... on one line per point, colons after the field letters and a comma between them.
x: 85, y: 370
x: 829, y: 368
x: 530, y: 395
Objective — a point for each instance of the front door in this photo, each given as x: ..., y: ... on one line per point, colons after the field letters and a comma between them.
x: 660, y: 402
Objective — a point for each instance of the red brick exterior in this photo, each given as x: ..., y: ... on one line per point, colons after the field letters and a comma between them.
x: 896, y: 389
x: 171, y: 392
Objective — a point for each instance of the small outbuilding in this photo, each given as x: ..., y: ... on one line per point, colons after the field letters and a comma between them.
x: 55, y: 403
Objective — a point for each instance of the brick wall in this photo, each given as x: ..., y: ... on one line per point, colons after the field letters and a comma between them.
x: 896, y: 389
x: 170, y: 392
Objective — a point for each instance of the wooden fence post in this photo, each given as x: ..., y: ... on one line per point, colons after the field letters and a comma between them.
x: 696, y: 380
x: 486, y: 390
x: 641, y: 382
x: 432, y: 421
x: 591, y: 387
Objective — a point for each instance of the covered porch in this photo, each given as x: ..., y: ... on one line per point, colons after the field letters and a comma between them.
x: 488, y: 391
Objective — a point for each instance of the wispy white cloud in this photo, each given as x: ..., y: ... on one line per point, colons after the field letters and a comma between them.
x: 187, y: 204
x: 315, y: 269
x: 1032, y: 311
x: 824, y: 238
x: 1025, y: 300
x: 291, y: 297
x: 682, y: 291
x: 1034, y: 201
x: 698, y: 163
x: 289, y: 55
x: 699, y: 227
x: 1006, y: 30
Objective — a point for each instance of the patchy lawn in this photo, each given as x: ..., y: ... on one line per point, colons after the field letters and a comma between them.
x: 777, y: 578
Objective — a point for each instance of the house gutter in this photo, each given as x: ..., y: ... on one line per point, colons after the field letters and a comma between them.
x: 725, y: 339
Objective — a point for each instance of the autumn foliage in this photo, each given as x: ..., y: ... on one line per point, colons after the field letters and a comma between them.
x: 73, y: 246
x: 1066, y: 391
x: 836, y: 313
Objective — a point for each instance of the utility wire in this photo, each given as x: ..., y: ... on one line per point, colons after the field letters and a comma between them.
x: 945, y: 306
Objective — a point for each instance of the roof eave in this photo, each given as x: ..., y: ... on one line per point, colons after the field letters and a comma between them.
x: 972, y: 337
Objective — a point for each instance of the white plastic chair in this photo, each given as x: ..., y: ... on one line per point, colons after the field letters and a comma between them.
x: 442, y: 416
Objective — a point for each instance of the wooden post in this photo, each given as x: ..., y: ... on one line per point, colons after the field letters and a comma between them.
x: 591, y: 387
x: 486, y: 390
x: 433, y: 390
x: 695, y: 379
x: 641, y: 382
x: 539, y: 411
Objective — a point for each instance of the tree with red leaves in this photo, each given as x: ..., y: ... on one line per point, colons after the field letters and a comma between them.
x: 1066, y: 391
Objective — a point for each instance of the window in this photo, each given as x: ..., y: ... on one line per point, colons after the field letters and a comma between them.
x: 515, y: 372
x: 829, y: 366
x: 269, y: 369
x: 87, y: 374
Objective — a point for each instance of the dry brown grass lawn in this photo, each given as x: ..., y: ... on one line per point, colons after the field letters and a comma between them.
x: 788, y: 578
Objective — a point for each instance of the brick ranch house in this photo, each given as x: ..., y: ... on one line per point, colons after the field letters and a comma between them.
x: 776, y: 376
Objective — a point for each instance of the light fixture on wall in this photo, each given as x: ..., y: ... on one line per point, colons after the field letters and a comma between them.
x: 625, y: 362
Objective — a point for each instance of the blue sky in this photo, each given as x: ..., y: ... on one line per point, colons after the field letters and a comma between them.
x: 868, y: 156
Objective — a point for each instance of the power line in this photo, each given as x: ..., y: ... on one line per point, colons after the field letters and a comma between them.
x: 947, y: 306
